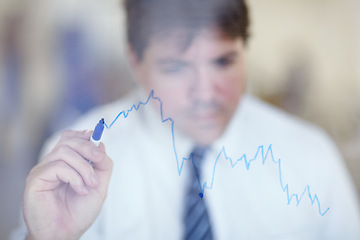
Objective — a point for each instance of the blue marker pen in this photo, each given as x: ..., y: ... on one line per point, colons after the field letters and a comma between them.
x: 96, y: 136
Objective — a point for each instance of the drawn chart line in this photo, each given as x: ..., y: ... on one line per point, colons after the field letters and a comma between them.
x: 264, y: 155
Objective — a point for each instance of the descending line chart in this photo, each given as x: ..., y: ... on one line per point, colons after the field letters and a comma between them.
x: 261, y: 153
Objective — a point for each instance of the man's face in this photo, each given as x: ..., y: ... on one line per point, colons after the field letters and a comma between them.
x: 200, y: 84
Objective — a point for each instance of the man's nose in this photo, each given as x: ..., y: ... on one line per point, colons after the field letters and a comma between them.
x: 204, y: 86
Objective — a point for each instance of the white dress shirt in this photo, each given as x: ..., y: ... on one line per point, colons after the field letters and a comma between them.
x: 146, y: 193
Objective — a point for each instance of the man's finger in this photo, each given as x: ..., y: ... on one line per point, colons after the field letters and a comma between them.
x: 52, y: 174
x: 86, y: 134
x: 104, y: 164
x: 85, y: 148
x: 65, y: 153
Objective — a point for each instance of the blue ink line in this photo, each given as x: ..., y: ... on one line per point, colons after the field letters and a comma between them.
x: 313, y: 198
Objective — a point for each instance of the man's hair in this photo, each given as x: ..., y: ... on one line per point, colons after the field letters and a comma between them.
x: 149, y: 18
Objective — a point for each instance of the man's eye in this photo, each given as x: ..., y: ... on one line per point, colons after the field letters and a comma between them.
x: 224, y: 62
x: 173, y: 68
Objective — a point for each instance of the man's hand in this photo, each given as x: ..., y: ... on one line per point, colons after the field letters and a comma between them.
x: 64, y: 193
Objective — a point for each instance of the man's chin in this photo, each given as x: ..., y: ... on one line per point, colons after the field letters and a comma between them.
x: 205, y: 137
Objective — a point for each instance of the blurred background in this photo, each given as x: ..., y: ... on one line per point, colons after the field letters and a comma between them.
x: 58, y: 59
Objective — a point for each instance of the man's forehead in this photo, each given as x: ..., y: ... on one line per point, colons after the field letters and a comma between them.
x: 181, y: 43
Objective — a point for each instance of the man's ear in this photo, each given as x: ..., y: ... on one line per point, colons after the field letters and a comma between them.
x: 134, y: 60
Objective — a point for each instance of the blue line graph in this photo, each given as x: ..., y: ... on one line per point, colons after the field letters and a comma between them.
x: 264, y: 154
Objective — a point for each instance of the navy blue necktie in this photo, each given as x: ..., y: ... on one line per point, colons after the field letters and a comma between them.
x: 197, y: 222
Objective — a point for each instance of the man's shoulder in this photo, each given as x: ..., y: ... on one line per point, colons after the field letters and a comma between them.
x: 271, y: 119
x: 288, y: 134
x: 111, y: 113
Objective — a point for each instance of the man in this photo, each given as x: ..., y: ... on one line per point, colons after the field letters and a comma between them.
x: 178, y: 165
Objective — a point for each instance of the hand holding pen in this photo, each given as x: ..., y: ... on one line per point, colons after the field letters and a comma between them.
x: 63, y: 193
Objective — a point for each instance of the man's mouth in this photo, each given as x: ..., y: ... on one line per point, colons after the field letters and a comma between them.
x: 205, y: 116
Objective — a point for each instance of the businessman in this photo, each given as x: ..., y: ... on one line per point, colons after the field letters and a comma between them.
x: 188, y: 58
